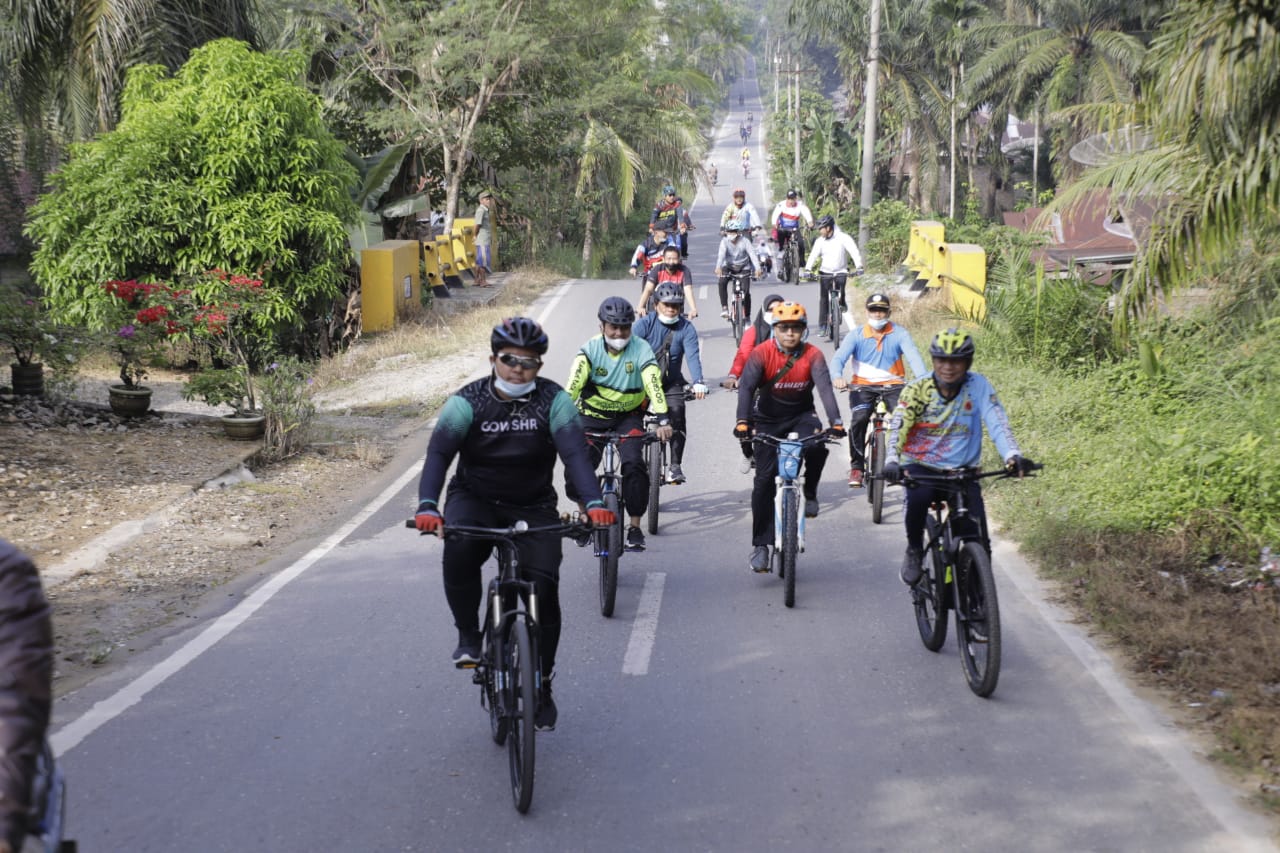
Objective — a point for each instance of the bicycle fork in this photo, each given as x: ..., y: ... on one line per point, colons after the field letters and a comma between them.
x: 783, y: 486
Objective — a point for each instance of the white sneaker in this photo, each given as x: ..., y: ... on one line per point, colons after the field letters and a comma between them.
x: 724, y: 312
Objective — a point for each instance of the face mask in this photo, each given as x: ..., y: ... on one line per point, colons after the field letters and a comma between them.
x: 733, y: 236
x: 617, y: 344
x: 510, y: 388
x: 667, y: 321
x: 671, y: 264
x: 877, y: 324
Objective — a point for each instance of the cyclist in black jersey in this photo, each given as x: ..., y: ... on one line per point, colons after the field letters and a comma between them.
x: 507, y: 430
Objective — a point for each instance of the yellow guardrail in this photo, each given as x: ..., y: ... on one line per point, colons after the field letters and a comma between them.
x: 393, y: 272
x: 958, y: 268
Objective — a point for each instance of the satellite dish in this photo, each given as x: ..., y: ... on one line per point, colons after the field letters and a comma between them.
x: 1102, y: 148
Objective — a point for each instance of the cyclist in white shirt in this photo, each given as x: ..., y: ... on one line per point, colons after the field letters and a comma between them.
x: 785, y: 221
x: 829, y: 254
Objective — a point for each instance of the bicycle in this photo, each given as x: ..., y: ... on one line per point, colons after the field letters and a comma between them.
x: 608, y: 540
x: 790, y: 257
x: 738, y: 318
x: 874, y: 448
x: 957, y: 576
x: 788, y: 506
x: 509, y: 672
x: 658, y: 461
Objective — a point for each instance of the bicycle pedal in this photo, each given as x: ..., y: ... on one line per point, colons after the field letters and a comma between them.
x: 465, y: 664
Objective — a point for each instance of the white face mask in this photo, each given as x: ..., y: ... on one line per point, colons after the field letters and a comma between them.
x: 877, y: 324
x: 667, y: 321
x: 617, y: 344
x: 510, y: 388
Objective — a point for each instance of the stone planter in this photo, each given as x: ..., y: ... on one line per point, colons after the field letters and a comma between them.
x: 244, y: 427
x: 129, y: 402
x: 28, y: 379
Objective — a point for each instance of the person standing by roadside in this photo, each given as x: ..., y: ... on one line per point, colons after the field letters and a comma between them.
x: 484, y: 239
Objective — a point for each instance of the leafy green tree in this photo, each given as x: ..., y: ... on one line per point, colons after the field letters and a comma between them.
x: 226, y: 164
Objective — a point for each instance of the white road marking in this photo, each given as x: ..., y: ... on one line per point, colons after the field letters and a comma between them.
x: 645, y: 628
x: 72, y: 734
x: 550, y: 306
x: 702, y: 291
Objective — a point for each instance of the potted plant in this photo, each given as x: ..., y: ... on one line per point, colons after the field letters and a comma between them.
x: 32, y: 337
x: 229, y: 313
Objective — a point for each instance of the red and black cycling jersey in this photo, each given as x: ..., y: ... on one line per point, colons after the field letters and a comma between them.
x: 659, y: 274
x: 791, y: 394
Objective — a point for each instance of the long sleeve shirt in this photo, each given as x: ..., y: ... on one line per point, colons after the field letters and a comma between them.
x: 791, y: 395
x: 507, y: 449
x: 786, y: 217
x: 831, y: 252
x: 878, y: 356
x: 744, y: 217
x: 684, y: 341
x: 737, y: 255
x: 944, y: 434
x: 606, y: 384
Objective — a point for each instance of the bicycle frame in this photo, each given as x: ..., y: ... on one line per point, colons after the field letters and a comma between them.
x: 788, y: 480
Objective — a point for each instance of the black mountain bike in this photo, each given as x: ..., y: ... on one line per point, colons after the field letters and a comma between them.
x: 790, y: 261
x: 509, y: 672
x: 957, y: 576
x: 875, y: 448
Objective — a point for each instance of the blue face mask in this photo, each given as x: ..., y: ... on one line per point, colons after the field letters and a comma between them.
x: 511, y: 389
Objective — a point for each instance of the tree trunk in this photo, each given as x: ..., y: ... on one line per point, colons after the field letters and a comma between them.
x: 586, y: 247
x: 951, y: 165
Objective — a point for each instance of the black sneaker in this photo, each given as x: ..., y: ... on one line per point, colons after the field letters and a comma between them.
x: 674, y: 475
x: 912, y: 569
x: 760, y: 559
x: 635, y: 539
x: 583, y: 539
x: 811, y: 507
x: 544, y: 719
x: 467, y: 654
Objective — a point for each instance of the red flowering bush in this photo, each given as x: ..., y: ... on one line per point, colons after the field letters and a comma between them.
x: 145, y: 315
x: 230, y: 313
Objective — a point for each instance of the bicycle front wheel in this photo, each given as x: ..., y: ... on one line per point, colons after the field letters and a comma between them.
x: 737, y: 319
x: 492, y: 696
x: 656, y: 471
x: 790, y: 545
x: 875, y: 472
x: 929, y: 596
x: 612, y: 538
x: 978, y: 622
x: 523, y: 703
x: 833, y: 320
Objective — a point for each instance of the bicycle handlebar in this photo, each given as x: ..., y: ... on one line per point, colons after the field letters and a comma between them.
x: 612, y: 435
x: 955, y: 476
x: 814, y: 438
x: 520, y: 528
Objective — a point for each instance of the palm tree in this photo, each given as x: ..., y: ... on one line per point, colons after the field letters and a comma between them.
x: 65, y: 59
x: 608, y: 169
x: 1080, y: 53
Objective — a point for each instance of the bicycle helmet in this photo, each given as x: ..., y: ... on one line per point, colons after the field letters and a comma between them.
x: 826, y: 222
x: 739, y: 192
x: 792, y: 193
x: 952, y: 343
x: 669, y: 293
x: 733, y: 226
x: 878, y: 302
x: 519, y: 332
x: 789, y: 312
x: 617, y: 311
x: 668, y: 190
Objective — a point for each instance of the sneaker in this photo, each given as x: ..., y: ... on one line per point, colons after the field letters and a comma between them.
x: 467, y: 654
x: 855, y: 478
x: 544, y: 718
x: 635, y: 539
x: 811, y: 507
x: 748, y: 464
x: 760, y: 559
x: 911, y: 566
x: 724, y: 312
x: 674, y: 475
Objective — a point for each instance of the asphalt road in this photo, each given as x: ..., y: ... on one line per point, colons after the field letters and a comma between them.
x: 322, y: 713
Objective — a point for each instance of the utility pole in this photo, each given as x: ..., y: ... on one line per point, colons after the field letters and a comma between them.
x: 795, y: 171
x: 869, y: 130
x: 777, y: 78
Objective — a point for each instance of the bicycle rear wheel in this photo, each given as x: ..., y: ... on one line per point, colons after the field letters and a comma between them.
x: 656, y: 471
x: 929, y: 596
x: 522, y: 705
x: 875, y: 471
x: 612, y: 540
x: 790, y: 545
x: 978, y: 622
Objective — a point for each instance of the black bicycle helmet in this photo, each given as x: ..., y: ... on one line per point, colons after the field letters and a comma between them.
x: 952, y: 343
x: 669, y: 293
x: 519, y: 332
x: 617, y: 311
x: 792, y: 194
x: 826, y: 221
x: 877, y: 301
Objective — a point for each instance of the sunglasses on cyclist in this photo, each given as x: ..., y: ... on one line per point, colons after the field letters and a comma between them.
x: 788, y: 327
x: 520, y: 361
